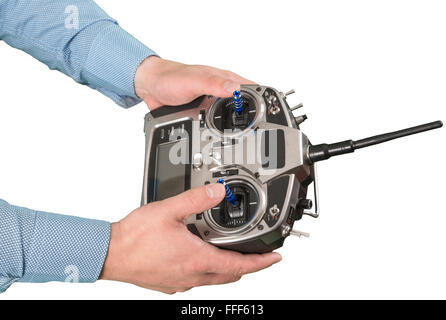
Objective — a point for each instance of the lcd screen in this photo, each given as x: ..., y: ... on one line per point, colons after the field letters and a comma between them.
x: 169, y: 174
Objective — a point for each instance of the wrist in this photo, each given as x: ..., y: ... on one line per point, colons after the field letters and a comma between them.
x: 145, y: 74
x: 111, y: 267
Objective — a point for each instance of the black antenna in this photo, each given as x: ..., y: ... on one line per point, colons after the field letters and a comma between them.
x: 324, y: 151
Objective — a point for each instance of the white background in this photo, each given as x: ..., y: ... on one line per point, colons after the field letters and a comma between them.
x: 359, y: 67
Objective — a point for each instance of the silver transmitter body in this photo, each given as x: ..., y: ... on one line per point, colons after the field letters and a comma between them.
x: 261, y: 154
x: 252, y: 144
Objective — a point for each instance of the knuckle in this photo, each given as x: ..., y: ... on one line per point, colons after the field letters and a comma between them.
x: 228, y: 73
x: 238, y: 272
x: 215, y: 80
x: 236, y: 278
x: 170, y: 292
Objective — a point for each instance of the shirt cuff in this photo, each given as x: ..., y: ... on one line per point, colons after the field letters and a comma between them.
x: 112, y: 62
x: 66, y: 248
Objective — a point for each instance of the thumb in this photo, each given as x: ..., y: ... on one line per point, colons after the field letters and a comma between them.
x: 216, y: 85
x: 194, y: 201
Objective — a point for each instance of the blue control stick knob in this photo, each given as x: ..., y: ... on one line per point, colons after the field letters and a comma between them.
x: 229, y: 195
x: 237, y: 100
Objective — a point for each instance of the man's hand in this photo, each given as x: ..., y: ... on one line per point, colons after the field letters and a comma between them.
x: 152, y: 247
x: 161, y: 82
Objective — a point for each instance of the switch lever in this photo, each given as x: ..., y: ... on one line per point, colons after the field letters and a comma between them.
x: 284, y: 95
x: 300, y: 105
x: 299, y: 234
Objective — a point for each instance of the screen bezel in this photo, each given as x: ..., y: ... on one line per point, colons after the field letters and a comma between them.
x: 161, y: 138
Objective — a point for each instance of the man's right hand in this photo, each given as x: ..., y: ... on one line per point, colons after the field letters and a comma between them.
x: 152, y: 247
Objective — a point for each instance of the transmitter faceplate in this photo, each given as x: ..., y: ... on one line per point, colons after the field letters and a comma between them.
x: 257, y: 150
x: 260, y: 153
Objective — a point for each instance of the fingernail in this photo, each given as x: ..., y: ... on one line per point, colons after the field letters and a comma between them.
x: 277, y: 257
x: 215, y: 191
x: 231, y: 86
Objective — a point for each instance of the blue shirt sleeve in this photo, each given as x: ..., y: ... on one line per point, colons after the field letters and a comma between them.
x: 79, y: 39
x: 40, y: 246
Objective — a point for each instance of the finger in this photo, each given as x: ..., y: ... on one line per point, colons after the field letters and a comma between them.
x: 239, y: 79
x: 215, y: 85
x: 214, y: 279
x: 181, y: 290
x: 232, y: 76
x: 234, y: 263
x: 227, y: 74
x: 194, y: 201
x: 165, y: 290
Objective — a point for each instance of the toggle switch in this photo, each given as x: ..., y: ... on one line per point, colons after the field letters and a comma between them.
x: 299, y: 234
x: 286, y: 94
x: 300, y: 105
